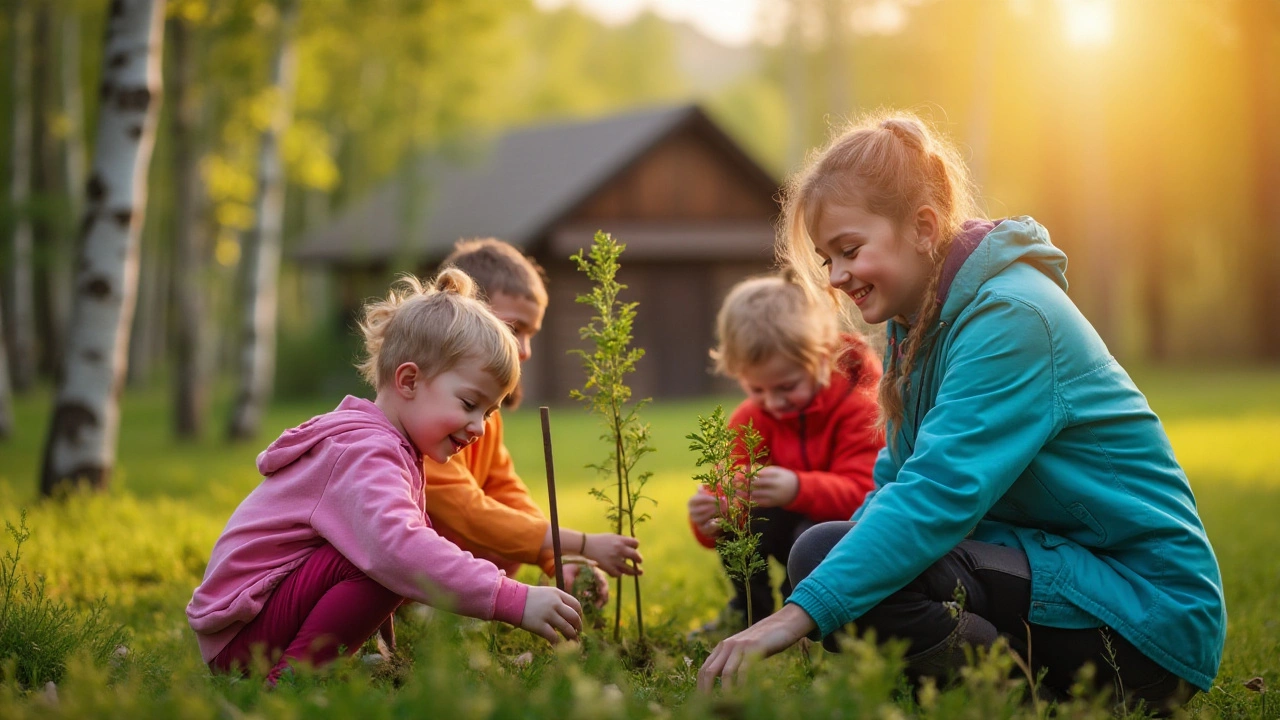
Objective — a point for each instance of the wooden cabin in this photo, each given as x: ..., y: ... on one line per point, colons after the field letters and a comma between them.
x: 695, y: 212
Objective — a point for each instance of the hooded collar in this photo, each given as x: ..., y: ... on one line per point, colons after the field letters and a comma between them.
x: 352, y: 413
x: 983, y: 250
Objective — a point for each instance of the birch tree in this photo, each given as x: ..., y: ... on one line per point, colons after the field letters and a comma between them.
x: 21, y: 300
x: 81, y: 444
x: 260, y: 268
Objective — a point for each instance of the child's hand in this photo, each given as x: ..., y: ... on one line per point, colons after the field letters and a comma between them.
x: 775, y: 487
x: 550, y: 612
x: 704, y: 509
x: 611, y: 552
x: 571, y: 571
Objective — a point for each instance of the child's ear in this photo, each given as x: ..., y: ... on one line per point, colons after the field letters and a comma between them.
x: 406, y: 380
x: 928, y: 229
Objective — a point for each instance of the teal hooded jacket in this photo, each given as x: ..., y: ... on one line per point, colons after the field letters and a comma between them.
x: 1021, y: 430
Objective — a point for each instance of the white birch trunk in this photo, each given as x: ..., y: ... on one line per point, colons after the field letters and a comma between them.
x: 261, y: 269
x: 21, y: 300
x: 81, y: 445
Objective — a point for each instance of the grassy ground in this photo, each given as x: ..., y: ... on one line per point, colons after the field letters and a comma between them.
x: 143, y: 547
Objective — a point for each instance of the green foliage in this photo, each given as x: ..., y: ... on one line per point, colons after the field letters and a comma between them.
x: 144, y: 544
x: 317, y: 359
x: 607, y: 394
x: 39, y: 633
x: 732, y: 459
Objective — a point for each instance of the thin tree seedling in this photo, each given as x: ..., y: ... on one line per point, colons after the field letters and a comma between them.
x: 607, y: 394
x: 732, y: 458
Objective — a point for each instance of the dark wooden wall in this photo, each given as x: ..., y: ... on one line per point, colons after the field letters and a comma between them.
x: 687, y: 182
x: 682, y: 178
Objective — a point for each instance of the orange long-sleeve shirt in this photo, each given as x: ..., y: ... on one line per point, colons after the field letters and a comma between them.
x: 479, y: 502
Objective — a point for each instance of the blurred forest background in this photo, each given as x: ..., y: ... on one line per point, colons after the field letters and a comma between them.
x: 1142, y: 133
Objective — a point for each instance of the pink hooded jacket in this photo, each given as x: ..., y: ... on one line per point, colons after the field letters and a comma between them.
x: 351, y: 479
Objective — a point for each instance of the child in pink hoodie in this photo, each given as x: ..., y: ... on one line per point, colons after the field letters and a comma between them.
x: 336, y: 536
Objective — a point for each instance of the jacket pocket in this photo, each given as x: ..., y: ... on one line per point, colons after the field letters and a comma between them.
x: 1048, y: 540
x: 1081, y: 513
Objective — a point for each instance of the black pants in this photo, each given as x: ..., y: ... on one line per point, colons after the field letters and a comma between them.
x: 978, y: 592
x: 778, y: 530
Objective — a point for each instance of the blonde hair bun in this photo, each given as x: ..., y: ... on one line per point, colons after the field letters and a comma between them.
x: 436, y: 326
x: 453, y: 280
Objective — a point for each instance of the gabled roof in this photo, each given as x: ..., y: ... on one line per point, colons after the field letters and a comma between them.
x: 530, y: 178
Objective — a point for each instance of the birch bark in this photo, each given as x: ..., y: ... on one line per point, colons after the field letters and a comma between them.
x: 261, y: 268
x: 81, y: 445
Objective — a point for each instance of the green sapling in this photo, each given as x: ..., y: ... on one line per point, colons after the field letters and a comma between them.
x: 733, y: 459
x: 607, y: 394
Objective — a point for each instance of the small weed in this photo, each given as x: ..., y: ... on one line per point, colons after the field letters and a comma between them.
x: 39, y: 633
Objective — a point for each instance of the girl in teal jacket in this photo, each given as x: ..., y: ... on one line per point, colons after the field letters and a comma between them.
x: 1022, y: 462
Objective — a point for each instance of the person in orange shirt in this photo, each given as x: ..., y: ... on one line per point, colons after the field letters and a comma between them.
x: 476, y: 499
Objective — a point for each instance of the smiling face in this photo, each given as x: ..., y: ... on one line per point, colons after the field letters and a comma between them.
x: 780, y: 386
x: 442, y: 415
x: 522, y: 315
x: 885, y: 273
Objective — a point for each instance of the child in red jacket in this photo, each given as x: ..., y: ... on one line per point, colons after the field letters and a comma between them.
x: 811, y: 395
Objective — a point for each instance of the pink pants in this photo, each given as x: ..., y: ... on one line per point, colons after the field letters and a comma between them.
x: 325, y: 605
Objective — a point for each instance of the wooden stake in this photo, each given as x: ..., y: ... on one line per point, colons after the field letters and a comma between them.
x: 551, y: 494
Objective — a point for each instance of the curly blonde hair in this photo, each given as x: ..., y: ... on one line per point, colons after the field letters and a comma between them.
x: 891, y: 163
x: 770, y: 316
x: 436, y: 326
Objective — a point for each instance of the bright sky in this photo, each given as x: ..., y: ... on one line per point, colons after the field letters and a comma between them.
x: 732, y: 22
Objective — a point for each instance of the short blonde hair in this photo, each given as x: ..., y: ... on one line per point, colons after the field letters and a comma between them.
x: 764, y: 317
x: 436, y: 326
x: 498, y: 267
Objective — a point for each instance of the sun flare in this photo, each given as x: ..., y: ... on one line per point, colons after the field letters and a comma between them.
x: 1088, y: 23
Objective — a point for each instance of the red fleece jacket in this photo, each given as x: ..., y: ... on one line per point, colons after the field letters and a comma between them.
x: 831, y: 444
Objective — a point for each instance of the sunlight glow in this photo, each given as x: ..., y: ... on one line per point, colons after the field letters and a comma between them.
x: 883, y: 17
x: 731, y: 22
x: 1088, y: 23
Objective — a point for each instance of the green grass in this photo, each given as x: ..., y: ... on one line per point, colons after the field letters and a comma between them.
x: 142, y: 548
